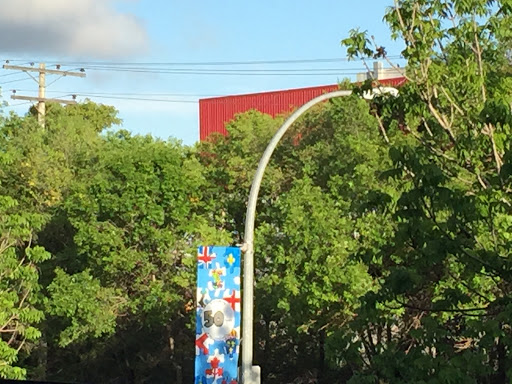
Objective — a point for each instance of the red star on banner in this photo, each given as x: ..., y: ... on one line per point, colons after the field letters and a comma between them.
x: 215, y: 370
x: 200, y: 343
x: 232, y: 300
x: 206, y: 257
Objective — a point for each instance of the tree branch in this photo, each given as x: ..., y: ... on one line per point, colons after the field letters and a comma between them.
x: 442, y: 121
x: 381, y: 127
x: 478, y: 53
x: 448, y: 310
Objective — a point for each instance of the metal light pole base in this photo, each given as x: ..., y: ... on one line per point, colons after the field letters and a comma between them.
x: 254, y: 376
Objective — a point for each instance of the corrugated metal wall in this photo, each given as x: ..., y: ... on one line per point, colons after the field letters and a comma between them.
x: 215, y: 112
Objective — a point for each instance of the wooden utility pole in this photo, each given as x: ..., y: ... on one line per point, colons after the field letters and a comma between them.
x: 41, y: 105
x: 41, y: 99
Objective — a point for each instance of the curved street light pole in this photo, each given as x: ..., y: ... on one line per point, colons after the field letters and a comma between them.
x: 250, y: 373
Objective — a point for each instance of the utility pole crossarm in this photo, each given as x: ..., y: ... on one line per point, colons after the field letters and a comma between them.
x: 42, y: 99
x: 41, y: 82
x: 49, y: 71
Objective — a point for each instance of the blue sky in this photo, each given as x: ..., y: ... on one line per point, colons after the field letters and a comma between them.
x: 168, y: 31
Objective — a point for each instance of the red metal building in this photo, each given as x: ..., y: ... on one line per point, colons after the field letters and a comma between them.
x: 215, y: 112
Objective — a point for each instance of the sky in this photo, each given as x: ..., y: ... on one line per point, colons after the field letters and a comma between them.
x: 154, y: 59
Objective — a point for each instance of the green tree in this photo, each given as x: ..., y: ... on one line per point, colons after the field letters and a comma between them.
x: 87, y: 114
x: 38, y: 168
x: 20, y: 292
x: 121, y: 217
x: 441, y: 312
x: 123, y: 295
x: 315, y: 211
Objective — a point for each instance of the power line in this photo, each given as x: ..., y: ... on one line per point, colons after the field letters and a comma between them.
x: 115, y: 97
x: 7, y: 61
x: 205, y: 63
x: 141, y: 99
x: 14, y: 81
x: 224, y: 70
x: 123, y: 94
x: 218, y: 73
x: 128, y: 93
x: 8, y: 74
x: 16, y: 105
x: 170, y: 69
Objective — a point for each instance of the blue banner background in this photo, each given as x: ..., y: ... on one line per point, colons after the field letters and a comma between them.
x: 218, y: 315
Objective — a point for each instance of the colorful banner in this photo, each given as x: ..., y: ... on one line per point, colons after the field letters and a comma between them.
x: 218, y: 315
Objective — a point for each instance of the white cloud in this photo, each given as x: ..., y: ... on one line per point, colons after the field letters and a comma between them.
x: 84, y: 28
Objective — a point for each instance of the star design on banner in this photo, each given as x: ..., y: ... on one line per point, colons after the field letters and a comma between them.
x: 232, y: 299
x: 202, y: 343
x: 206, y: 257
x: 215, y: 371
x: 230, y: 262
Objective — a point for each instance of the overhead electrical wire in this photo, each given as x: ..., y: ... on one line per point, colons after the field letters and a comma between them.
x: 17, y: 104
x: 141, y: 99
x: 126, y: 93
x: 9, y: 74
x: 14, y: 81
x: 169, y: 68
x: 239, y: 73
x: 212, y: 63
x: 236, y: 72
x: 203, y: 63
x: 230, y: 71
x: 179, y: 68
x: 222, y: 70
x: 128, y: 96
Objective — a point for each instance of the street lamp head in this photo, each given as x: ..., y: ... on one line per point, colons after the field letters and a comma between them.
x: 368, y: 95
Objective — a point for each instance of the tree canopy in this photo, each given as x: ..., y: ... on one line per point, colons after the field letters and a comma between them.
x: 383, y: 228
